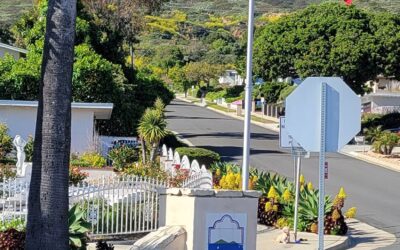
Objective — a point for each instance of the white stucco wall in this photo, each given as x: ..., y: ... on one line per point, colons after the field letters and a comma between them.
x: 22, y: 121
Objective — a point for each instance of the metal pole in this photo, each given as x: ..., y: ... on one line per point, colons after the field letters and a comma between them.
x: 321, y: 206
x: 296, y: 204
x: 249, y: 81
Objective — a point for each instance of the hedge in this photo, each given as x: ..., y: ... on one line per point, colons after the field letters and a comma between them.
x: 202, y: 155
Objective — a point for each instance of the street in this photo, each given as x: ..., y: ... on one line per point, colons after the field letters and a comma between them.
x: 373, y: 190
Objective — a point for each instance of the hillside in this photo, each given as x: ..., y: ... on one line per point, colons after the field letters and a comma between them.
x: 12, y: 9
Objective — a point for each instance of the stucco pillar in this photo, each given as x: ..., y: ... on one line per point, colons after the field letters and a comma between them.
x: 212, y: 217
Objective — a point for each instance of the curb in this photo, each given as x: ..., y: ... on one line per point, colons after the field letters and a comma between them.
x: 370, y: 160
x: 260, y: 124
x: 182, y: 139
x: 345, y: 244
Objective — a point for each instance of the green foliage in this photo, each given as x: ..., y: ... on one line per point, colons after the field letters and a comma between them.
x: 7, y: 172
x: 152, y: 128
x: 89, y: 159
x: 152, y: 170
x: 385, y: 142
x: 29, y: 149
x: 5, y: 141
x: 387, y: 121
x: 202, y: 155
x: 318, y: 41
x: 122, y: 156
x: 18, y: 223
x: 171, y: 141
x: 286, y: 92
x: 78, y: 228
x: 271, y: 91
x: 308, y: 206
x: 373, y: 133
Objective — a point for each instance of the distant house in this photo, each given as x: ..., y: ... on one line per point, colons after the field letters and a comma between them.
x: 20, y: 117
x: 11, y: 50
x: 384, y: 98
x: 231, y: 78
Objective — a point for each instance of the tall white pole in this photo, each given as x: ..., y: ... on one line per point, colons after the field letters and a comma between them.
x: 321, y: 205
x: 248, y: 98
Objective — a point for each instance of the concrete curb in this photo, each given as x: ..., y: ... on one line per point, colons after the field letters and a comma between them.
x: 182, y: 139
x: 260, y: 124
x: 371, y: 160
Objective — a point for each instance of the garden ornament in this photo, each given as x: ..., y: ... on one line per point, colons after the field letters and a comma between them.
x: 284, y: 237
x: 20, y: 145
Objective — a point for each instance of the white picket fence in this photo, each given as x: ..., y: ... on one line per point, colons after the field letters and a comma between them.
x: 115, y: 206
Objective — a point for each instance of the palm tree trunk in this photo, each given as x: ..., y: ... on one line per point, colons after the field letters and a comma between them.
x: 153, y: 152
x: 47, y: 226
x: 143, y: 151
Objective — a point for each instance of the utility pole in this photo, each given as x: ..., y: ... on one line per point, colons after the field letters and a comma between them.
x: 248, y: 98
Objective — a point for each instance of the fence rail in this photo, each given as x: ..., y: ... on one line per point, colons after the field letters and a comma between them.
x: 114, y: 206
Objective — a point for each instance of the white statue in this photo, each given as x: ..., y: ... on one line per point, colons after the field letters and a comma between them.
x: 20, y: 145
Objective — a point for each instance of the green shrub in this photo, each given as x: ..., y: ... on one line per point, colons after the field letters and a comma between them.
x: 18, y: 224
x: 93, y: 160
x: 5, y: 141
x: 78, y: 228
x: 76, y: 175
x: 385, y: 143
x: 122, y: 156
x: 29, y: 149
x: 202, y: 155
x: 172, y: 141
x: 152, y: 170
x: 7, y: 172
x: 388, y: 121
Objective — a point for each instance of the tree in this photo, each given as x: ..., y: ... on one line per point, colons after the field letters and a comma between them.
x: 329, y: 39
x: 152, y: 128
x: 47, y: 226
x: 197, y: 72
x: 179, y: 79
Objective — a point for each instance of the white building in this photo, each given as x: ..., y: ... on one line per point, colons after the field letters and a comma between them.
x: 384, y: 98
x: 11, y: 50
x: 231, y: 78
x: 20, y: 117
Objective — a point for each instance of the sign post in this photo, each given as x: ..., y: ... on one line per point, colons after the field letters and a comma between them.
x: 323, y: 114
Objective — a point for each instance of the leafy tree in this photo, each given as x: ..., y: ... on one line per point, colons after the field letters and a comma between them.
x: 179, y: 79
x: 329, y: 40
x: 48, y: 193
x: 197, y: 72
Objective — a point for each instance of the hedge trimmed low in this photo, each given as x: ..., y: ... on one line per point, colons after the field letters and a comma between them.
x: 202, y: 155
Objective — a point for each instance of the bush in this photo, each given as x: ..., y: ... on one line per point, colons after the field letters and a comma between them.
x: 7, y: 172
x: 5, y: 141
x: 29, y: 149
x: 171, y: 141
x: 388, y: 121
x: 89, y: 160
x: 152, y: 170
x: 122, y: 156
x: 202, y: 155
x: 76, y: 176
x: 12, y: 239
x: 385, y: 143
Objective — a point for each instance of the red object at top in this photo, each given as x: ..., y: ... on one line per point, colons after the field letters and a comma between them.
x: 348, y: 2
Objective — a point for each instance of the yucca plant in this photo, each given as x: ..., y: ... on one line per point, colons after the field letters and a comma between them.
x: 159, y: 105
x: 152, y: 128
x: 371, y: 134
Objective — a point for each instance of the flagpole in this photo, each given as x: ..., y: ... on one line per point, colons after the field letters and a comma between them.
x: 248, y: 98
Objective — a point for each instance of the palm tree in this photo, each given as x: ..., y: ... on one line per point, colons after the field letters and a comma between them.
x: 152, y: 128
x: 47, y: 226
x: 159, y: 105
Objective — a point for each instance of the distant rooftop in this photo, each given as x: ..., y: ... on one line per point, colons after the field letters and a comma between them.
x: 101, y: 110
x: 6, y: 46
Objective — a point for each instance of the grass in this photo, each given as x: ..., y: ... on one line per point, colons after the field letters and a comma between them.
x: 11, y: 10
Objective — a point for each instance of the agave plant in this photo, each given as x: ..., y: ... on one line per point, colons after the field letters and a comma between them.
x: 78, y: 228
x: 308, y: 206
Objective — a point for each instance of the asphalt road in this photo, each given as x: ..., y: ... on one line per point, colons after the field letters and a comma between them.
x: 375, y: 191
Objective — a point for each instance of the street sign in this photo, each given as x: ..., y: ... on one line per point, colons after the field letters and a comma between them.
x: 322, y: 115
x: 303, y: 114
x: 286, y: 141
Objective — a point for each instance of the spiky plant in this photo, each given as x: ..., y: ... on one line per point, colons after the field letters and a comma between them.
x: 152, y: 128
